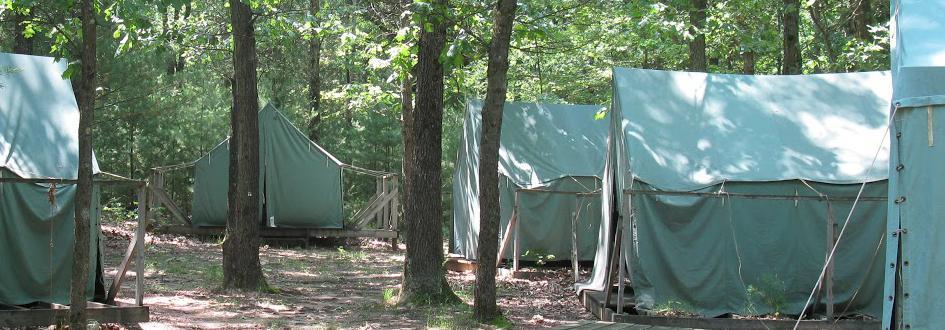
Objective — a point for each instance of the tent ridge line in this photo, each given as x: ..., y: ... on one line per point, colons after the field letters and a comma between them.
x: 752, y: 196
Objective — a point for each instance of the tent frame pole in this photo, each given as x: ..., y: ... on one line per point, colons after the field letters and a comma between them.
x: 755, y: 196
x: 574, y: 237
x: 515, y: 245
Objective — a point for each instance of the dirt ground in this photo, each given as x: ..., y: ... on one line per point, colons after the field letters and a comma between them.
x: 321, y: 288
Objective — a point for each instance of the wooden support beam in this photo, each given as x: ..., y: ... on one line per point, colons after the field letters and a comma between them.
x: 284, y: 232
x: 621, y: 271
x: 394, y: 211
x: 611, y: 264
x: 139, y: 244
x: 372, y: 210
x: 160, y: 196
x: 506, y: 238
x: 115, y: 287
x: 575, y: 216
x: 515, y: 245
x: 59, y: 314
x: 828, y: 274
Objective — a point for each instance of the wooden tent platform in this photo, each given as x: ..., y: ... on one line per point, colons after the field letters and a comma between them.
x: 284, y: 232
x: 593, y: 301
x: 44, y: 314
x: 601, y: 325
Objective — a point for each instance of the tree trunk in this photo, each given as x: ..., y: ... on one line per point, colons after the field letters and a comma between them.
x: 748, y: 62
x: 816, y: 11
x: 21, y: 44
x: 241, y: 269
x: 697, y: 44
x: 861, y: 19
x: 85, y: 97
x: 406, y: 120
x: 497, y: 85
x: 791, y: 63
x: 424, y: 281
x: 315, y: 80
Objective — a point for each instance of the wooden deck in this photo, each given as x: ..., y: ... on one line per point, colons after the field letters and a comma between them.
x: 593, y: 301
x: 601, y: 325
x: 44, y: 314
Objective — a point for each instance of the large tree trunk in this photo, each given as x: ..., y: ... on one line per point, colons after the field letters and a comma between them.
x: 314, y: 79
x: 697, y: 44
x: 791, y: 62
x: 424, y: 281
x: 496, y: 88
x: 241, y: 269
x: 860, y: 24
x: 21, y: 44
x: 85, y: 97
x: 406, y: 120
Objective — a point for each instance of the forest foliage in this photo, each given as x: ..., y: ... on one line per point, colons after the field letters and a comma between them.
x: 164, y: 65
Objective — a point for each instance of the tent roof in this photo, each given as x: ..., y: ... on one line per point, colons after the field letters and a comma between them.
x: 688, y: 130
x: 542, y: 142
x: 39, y: 119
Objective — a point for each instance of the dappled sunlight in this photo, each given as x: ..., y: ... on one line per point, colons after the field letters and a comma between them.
x: 686, y: 130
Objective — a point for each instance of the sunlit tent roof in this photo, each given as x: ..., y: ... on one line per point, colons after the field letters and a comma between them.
x: 733, y: 180
x: 916, y: 231
x: 543, y: 147
x: 39, y: 140
x: 300, y: 183
x: 688, y: 130
x: 39, y: 119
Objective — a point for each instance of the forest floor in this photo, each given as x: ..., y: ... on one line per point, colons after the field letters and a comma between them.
x: 346, y: 287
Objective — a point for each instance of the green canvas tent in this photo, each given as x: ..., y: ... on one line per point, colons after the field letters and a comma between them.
x: 550, y: 162
x: 299, y: 182
x: 39, y: 121
x: 728, y: 190
x: 916, y: 231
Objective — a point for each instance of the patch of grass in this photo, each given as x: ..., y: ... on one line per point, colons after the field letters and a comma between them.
x: 390, y: 296
x: 212, y: 275
x: 356, y: 255
x: 448, y: 317
x: 674, y: 308
x: 770, y: 292
x: 501, y: 322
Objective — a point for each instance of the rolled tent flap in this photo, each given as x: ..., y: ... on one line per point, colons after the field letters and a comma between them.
x: 688, y: 153
x: 300, y: 183
x: 551, y: 158
x: 915, y: 230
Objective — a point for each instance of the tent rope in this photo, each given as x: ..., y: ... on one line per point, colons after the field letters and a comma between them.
x: 843, y: 229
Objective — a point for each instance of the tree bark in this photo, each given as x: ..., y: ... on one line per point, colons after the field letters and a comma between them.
x: 791, y: 62
x: 861, y: 21
x: 315, y: 80
x: 21, y: 44
x: 748, y: 62
x: 406, y: 120
x: 424, y: 281
x: 816, y: 11
x: 496, y: 88
x: 241, y: 268
x: 697, y: 15
x: 85, y: 97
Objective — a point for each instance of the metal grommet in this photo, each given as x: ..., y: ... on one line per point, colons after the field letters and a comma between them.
x: 900, y: 167
x: 892, y: 265
x: 905, y: 263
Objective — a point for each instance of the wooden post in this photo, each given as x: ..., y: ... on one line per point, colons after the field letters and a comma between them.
x: 505, y: 239
x: 574, y: 244
x: 622, y: 269
x: 828, y: 274
x: 515, y: 246
x: 139, y: 243
x: 394, y: 211
x: 379, y: 189
x: 611, y: 263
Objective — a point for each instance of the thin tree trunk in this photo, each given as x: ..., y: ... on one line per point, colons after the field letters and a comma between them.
x: 748, y: 62
x: 791, y: 62
x: 85, y: 97
x: 406, y: 121
x: 697, y: 15
x: 315, y: 80
x: 816, y: 14
x: 497, y: 85
x: 424, y: 281
x: 21, y: 44
x: 241, y: 269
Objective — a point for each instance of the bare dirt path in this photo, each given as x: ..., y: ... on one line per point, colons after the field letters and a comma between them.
x: 320, y: 288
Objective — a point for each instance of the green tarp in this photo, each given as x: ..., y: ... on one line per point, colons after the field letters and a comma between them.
x: 300, y: 183
x: 916, y: 212
x: 727, y: 135
x: 39, y: 139
x: 544, y: 148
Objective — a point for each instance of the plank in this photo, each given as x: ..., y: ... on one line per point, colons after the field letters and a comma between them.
x: 120, y: 275
x: 165, y: 200
x: 60, y: 315
x: 284, y: 232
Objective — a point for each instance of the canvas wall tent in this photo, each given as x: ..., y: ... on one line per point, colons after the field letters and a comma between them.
x: 915, y: 230
x: 300, y: 183
x: 39, y: 122
x: 550, y: 162
x: 723, y: 189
